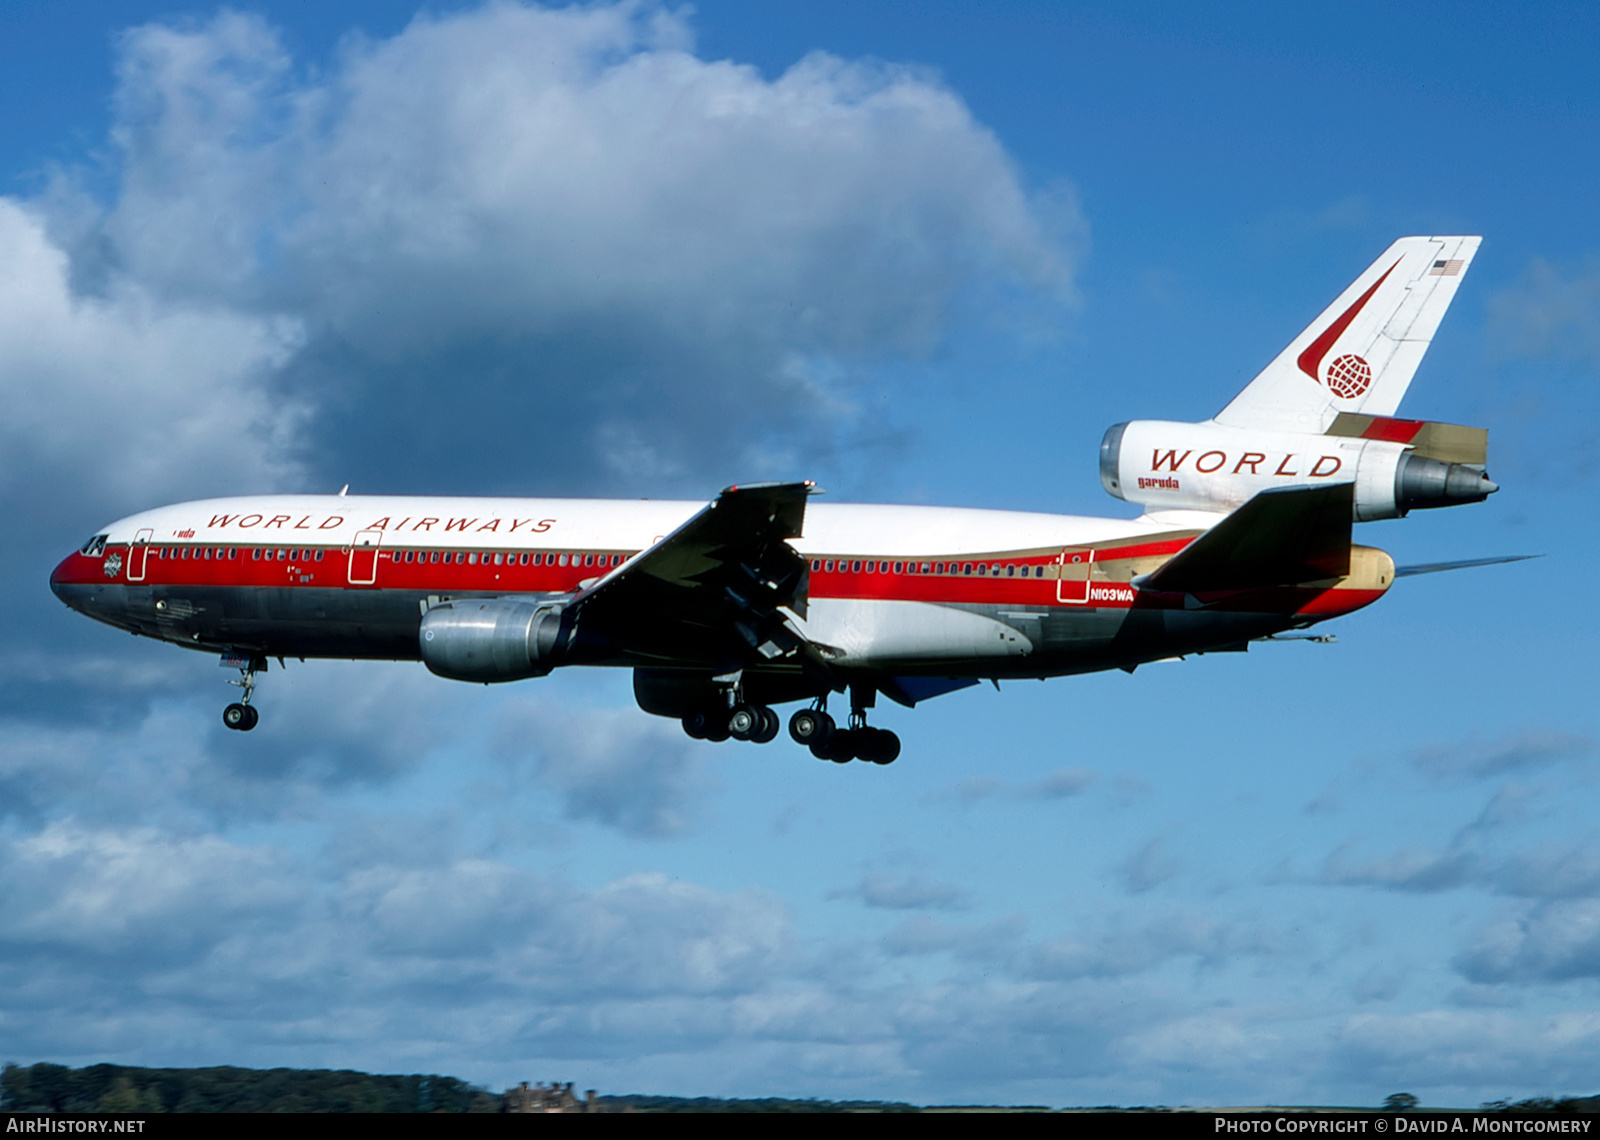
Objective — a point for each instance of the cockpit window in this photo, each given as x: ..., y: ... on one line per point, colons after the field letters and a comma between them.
x: 95, y: 547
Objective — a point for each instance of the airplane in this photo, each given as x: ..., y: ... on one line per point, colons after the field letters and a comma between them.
x: 763, y: 597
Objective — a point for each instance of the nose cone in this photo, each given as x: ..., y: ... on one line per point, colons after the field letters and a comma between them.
x: 58, y: 579
x: 73, y: 580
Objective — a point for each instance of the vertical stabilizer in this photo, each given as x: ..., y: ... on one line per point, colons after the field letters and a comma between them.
x: 1360, y: 354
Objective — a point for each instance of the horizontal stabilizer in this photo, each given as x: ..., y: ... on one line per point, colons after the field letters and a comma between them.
x: 1281, y: 537
x: 1465, y: 564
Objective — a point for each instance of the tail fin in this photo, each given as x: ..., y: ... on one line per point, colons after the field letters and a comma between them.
x: 1360, y: 354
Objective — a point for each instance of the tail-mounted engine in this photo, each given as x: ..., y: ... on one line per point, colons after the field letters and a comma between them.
x: 1396, y: 465
x: 492, y: 639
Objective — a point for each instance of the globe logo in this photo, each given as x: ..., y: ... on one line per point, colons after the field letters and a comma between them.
x: 1349, y: 376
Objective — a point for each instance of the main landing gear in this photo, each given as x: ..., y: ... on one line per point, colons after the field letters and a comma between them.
x: 816, y: 730
x: 811, y: 727
x: 241, y: 716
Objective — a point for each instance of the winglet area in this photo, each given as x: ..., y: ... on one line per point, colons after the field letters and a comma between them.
x: 1280, y: 537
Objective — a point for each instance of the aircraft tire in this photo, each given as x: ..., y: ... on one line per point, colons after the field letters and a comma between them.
x: 252, y: 716
x: 881, y: 746
x: 695, y: 724
x: 745, y: 721
x: 810, y: 727
x: 236, y: 717
x: 840, y: 747
x: 767, y: 732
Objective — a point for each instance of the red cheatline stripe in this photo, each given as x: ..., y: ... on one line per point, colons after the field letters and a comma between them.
x: 1311, y: 359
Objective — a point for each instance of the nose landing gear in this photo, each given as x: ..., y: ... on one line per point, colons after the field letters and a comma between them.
x: 241, y: 716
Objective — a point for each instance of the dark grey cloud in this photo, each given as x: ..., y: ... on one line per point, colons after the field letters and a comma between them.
x: 1148, y: 866
x: 1555, y: 941
x: 640, y: 775
x: 1480, y: 759
x: 1123, y: 946
x: 992, y: 943
x: 915, y: 890
x: 1058, y: 785
x: 165, y: 757
x: 1478, y: 1052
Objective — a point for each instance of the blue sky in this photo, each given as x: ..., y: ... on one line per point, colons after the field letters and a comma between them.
x: 920, y: 254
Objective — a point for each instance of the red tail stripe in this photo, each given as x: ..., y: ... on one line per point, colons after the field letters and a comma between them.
x: 1311, y: 359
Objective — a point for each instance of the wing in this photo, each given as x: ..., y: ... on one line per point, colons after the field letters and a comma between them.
x: 713, y: 591
x: 1279, y: 538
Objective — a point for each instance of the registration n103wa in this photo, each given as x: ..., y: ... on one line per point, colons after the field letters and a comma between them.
x: 765, y: 596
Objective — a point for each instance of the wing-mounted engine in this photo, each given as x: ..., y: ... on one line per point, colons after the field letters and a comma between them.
x: 493, y: 639
x: 1396, y: 465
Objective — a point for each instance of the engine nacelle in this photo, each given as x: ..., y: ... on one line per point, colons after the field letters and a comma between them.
x: 492, y: 639
x: 1396, y: 465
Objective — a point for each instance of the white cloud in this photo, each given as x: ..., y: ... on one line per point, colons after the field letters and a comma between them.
x: 1553, y: 312
x: 559, y: 232
x: 129, y: 395
x: 74, y: 887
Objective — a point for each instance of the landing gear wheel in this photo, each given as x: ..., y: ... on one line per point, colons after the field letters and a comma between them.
x: 810, y: 727
x: 768, y: 730
x: 745, y: 721
x: 878, y: 745
x: 696, y: 724
x: 840, y: 747
x: 717, y: 727
x: 240, y: 718
x: 251, y: 719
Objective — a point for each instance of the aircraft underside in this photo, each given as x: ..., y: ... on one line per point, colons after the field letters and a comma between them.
x: 900, y: 652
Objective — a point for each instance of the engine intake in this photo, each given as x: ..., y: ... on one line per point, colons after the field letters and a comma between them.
x: 492, y: 639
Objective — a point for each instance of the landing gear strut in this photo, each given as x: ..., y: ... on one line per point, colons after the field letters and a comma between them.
x: 241, y: 716
x: 733, y: 716
x: 816, y: 729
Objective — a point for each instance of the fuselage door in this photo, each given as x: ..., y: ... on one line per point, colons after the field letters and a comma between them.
x: 364, y: 557
x: 136, y: 555
x: 1072, y: 583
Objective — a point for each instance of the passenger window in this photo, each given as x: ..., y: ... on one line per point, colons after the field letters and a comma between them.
x: 319, y: 555
x: 855, y: 567
x: 255, y: 554
x: 925, y: 567
x: 827, y: 567
x: 538, y: 559
x: 966, y: 567
x: 816, y: 564
x: 1011, y: 571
